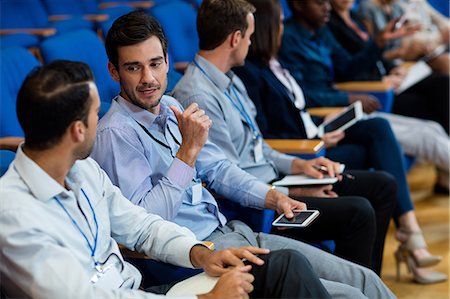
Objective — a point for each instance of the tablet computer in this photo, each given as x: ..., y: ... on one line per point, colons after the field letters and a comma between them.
x: 300, y: 219
x: 343, y: 120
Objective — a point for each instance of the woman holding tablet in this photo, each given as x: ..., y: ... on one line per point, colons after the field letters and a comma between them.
x: 280, y: 107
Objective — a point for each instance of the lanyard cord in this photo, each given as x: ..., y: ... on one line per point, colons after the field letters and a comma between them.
x: 159, y: 141
x: 241, y: 109
x: 93, y: 248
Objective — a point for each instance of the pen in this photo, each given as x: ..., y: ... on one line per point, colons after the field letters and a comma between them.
x: 325, y: 170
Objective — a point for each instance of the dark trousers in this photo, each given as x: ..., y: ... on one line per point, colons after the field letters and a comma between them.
x: 357, y: 223
x: 285, y: 274
x: 372, y: 144
x: 428, y: 99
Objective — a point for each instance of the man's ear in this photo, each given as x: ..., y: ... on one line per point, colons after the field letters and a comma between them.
x: 77, y: 130
x: 236, y: 37
x: 113, y: 72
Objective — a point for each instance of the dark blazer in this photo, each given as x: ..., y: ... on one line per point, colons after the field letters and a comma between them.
x: 353, y: 43
x: 277, y: 116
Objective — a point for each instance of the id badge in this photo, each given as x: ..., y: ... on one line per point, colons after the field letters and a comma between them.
x: 108, y: 278
x: 197, y: 191
x: 258, y: 150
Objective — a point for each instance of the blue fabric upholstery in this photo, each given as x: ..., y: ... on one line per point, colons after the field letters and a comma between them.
x: 85, y: 46
x: 178, y: 20
x: 6, y: 157
x: 441, y: 5
x: 173, y: 77
x: 20, y: 39
x: 286, y: 10
x: 16, y: 63
x: 21, y: 14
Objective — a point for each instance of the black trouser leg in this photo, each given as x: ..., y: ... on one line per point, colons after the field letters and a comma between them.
x: 348, y: 220
x: 380, y: 189
x: 286, y: 274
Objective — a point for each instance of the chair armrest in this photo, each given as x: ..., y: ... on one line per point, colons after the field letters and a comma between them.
x: 364, y: 86
x: 383, y: 91
x: 96, y: 17
x: 89, y: 17
x: 43, y: 32
x: 10, y: 143
x: 324, y: 111
x: 57, y: 18
x: 296, y: 146
x: 134, y: 4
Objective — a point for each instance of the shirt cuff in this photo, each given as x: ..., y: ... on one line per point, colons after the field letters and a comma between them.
x: 259, y: 193
x: 284, y: 190
x: 180, y: 173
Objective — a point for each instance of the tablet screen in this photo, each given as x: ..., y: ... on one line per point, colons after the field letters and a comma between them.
x: 299, y: 218
x: 340, y: 120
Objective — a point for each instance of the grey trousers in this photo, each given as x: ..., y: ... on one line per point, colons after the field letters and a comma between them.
x: 341, y: 278
x: 424, y: 139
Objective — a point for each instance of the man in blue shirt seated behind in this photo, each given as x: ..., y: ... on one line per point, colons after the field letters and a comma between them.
x: 159, y: 157
x: 61, y: 216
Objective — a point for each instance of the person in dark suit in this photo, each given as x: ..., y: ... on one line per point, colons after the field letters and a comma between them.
x: 280, y: 104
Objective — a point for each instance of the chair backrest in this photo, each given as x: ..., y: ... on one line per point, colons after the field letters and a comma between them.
x: 84, y: 46
x: 6, y: 157
x: 441, y: 6
x: 71, y: 7
x: 286, y: 10
x: 178, y: 20
x: 15, y: 64
x: 22, y: 14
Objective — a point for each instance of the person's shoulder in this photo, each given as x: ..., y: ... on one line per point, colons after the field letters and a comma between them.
x: 115, y: 119
x: 14, y: 193
x: 193, y: 87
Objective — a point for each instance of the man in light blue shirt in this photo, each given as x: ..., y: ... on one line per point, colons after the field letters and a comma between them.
x: 159, y: 156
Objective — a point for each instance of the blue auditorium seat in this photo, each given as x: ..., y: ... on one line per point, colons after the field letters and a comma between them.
x: 441, y: 5
x: 286, y: 10
x: 16, y: 63
x: 178, y: 20
x: 84, y: 46
x: 14, y: 16
x: 6, y: 157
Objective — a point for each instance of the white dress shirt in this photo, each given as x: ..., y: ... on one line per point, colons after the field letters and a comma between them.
x: 297, y: 96
x: 44, y: 255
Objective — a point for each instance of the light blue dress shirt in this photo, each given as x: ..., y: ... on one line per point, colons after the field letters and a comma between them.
x: 44, y: 255
x: 208, y: 86
x: 143, y: 165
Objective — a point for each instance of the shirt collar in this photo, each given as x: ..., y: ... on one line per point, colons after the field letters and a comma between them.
x: 41, y: 185
x: 145, y: 117
x: 222, y: 80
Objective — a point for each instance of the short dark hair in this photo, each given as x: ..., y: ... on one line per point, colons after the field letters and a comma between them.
x: 130, y: 29
x: 50, y: 99
x: 267, y: 27
x: 216, y: 19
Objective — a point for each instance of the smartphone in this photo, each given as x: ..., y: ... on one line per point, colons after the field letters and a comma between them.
x: 300, y: 219
x: 343, y: 120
